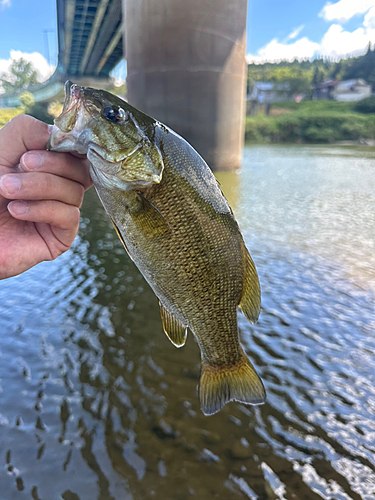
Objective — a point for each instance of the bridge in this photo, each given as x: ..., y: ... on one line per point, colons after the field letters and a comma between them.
x: 185, y: 63
x: 90, y: 37
x: 90, y: 41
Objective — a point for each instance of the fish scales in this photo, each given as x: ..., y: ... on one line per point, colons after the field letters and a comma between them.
x: 180, y: 231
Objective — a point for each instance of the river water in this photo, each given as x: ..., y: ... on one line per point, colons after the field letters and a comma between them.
x: 96, y: 403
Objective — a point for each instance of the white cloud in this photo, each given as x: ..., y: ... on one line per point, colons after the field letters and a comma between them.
x: 277, y: 51
x: 343, y: 10
x: 335, y: 43
x: 42, y: 67
x: 4, y: 4
x: 369, y: 21
x: 293, y: 34
x: 119, y: 73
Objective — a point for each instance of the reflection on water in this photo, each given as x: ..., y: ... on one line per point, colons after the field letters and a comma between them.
x: 96, y: 403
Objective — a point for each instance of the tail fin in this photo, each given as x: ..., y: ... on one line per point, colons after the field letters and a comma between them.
x: 239, y: 382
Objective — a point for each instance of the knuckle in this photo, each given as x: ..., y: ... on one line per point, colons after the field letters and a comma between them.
x: 71, y: 219
x: 20, y: 120
x: 49, y: 183
x: 52, y: 211
x: 76, y: 217
x: 27, y: 123
x: 80, y: 194
x: 23, y: 121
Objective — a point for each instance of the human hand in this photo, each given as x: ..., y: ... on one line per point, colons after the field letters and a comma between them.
x: 48, y: 190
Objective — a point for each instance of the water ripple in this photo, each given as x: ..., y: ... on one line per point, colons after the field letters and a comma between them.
x: 95, y: 403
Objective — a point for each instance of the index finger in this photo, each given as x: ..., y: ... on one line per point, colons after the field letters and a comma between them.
x: 23, y: 133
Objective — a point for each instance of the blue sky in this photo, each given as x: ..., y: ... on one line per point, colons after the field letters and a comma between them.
x: 275, y: 29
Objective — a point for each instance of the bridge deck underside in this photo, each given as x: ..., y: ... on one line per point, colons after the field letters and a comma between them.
x: 90, y: 36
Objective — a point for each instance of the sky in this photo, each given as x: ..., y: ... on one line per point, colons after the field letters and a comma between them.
x: 276, y: 30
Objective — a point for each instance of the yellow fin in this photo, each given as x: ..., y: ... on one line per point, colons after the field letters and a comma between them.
x: 173, y: 328
x: 239, y: 382
x: 250, y: 300
x: 120, y: 237
x: 149, y: 220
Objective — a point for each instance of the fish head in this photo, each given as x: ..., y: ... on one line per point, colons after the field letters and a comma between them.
x: 116, y: 137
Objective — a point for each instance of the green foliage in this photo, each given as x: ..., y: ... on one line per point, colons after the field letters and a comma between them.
x: 321, y: 106
x: 21, y: 76
x: 27, y: 100
x: 7, y: 114
x: 361, y: 67
x: 365, y: 105
x: 311, y: 121
x: 318, y: 75
x: 317, y: 134
x: 356, y: 129
x: 260, y: 128
x: 55, y: 108
x: 40, y: 111
x: 298, y: 75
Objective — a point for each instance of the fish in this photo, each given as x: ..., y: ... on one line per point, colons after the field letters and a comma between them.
x: 176, y: 225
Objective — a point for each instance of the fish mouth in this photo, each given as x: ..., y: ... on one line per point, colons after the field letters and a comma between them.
x: 78, y: 128
x: 73, y: 103
x: 73, y: 94
x: 71, y: 129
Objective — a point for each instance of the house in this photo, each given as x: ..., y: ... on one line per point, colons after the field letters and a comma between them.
x: 346, y: 90
x: 261, y: 92
x: 352, y: 90
x: 324, y: 90
x: 268, y: 92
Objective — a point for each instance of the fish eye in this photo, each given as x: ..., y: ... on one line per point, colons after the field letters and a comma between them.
x: 114, y: 114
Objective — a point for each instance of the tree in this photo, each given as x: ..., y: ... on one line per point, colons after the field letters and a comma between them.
x: 318, y: 76
x: 21, y: 76
x: 27, y: 101
x: 362, y: 67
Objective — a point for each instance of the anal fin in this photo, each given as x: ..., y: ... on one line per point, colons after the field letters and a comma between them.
x: 173, y: 328
x: 250, y: 300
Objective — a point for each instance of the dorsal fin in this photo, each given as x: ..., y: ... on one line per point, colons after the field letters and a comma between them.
x: 250, y: 299
x: 173, y: 328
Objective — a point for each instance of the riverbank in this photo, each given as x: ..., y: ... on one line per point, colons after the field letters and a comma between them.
x: 311, y: 122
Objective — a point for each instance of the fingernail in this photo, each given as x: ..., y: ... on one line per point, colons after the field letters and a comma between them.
x: 32, y: 160
x: 50, y: 128
x: 18, y: 207
x: 10, y: 184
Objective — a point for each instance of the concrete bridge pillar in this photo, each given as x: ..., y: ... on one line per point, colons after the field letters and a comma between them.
x: 186, y: 68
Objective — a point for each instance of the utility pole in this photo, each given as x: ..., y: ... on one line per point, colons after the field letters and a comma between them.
x: 46, y: 48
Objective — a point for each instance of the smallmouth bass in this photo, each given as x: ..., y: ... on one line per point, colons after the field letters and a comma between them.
x: 177, y: 227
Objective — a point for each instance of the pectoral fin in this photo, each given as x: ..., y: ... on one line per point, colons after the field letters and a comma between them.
x: 147, y: 217
x: 250, y: 300
x: 174, y: 329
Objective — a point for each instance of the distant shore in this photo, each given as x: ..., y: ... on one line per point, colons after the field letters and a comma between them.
x: 312, y: 122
